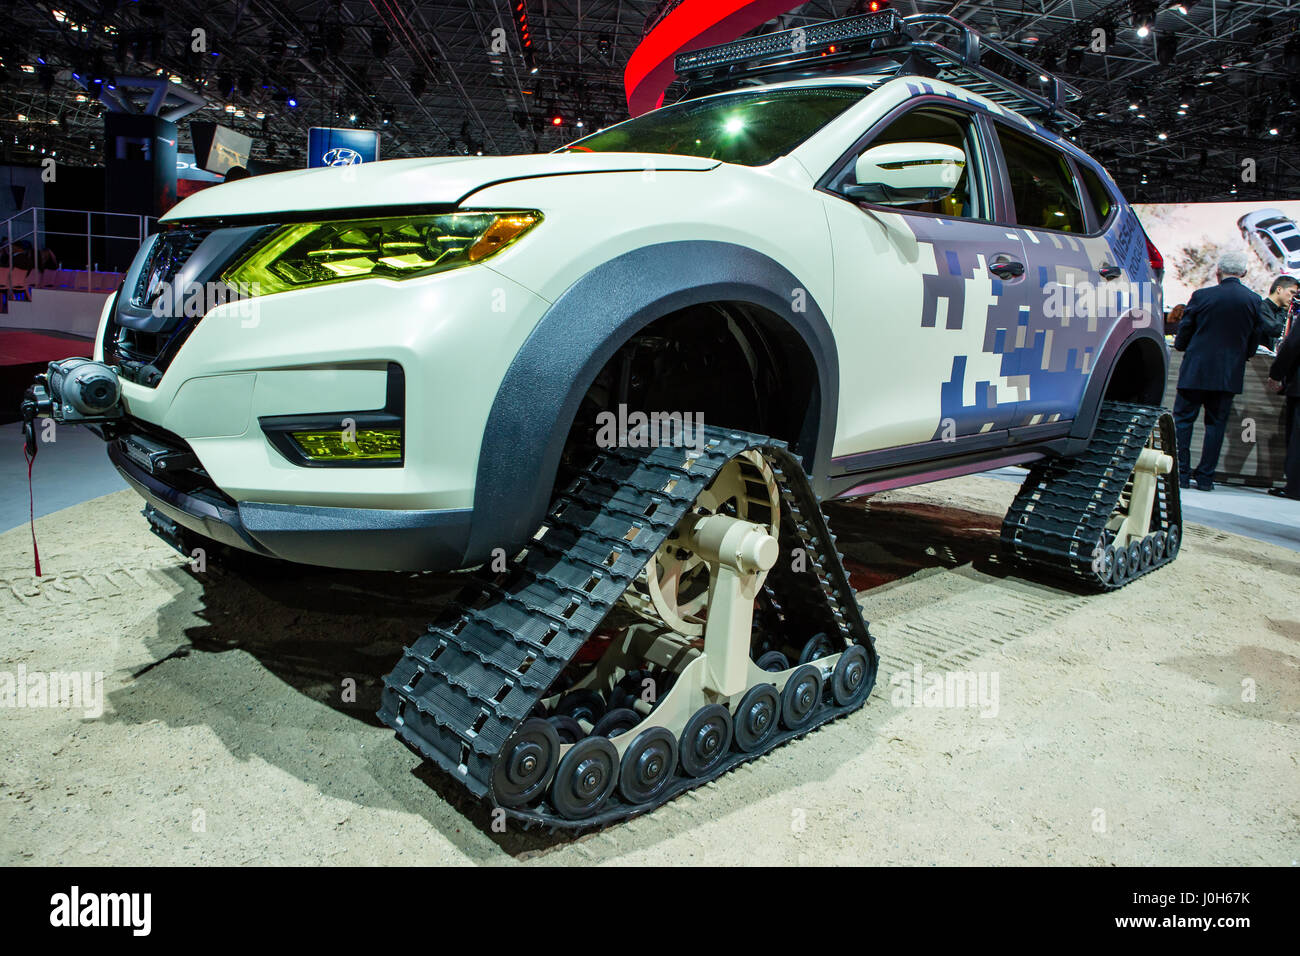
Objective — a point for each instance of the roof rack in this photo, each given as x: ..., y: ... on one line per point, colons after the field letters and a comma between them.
x: 926, y: 44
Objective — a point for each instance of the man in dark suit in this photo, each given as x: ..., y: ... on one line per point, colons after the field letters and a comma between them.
x: 1284, y: 377
x: 1220, y: 329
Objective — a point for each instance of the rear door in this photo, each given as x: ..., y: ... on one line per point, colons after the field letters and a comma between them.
x: 1078, y: 286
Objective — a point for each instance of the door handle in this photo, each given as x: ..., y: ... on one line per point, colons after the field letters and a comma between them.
x: 1004, y: 267
x: 1110, y: 272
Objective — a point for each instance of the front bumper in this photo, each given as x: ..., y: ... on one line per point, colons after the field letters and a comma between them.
x: 371, y: 539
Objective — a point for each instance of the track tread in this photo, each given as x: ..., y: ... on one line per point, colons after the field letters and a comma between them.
x: 1061, y: 511
x: 460, y: 691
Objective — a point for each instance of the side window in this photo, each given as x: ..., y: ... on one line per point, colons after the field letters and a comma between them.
x: 1098, y: 194
x: 1041, y: 184
x: 934, y: 126
x: 1272, y: 245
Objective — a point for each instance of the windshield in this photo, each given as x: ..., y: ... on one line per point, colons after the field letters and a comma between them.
x: 751, y: 129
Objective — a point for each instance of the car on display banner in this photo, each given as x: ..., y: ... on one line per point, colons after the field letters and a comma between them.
x: 621, y: 378
x: 1274, y: 236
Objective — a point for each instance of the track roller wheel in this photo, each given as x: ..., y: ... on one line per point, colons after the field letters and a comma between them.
x: 1158, y: 541
x: 1105, y: 566
x: 615, y: 722
x: 585, y: 778
x: 1173, y: 540
x: 1120, y: 572
x: 570, y: 730
x: 773, y: 662
x: 706, y: 739
x: 1135, y: 557
x: 802, y: 694
x: 757, y: 717
x: 582, y: 705
x: 1148, y: 549
x: 819, y: 645
x: 849, y: 681
x: 526, y: 764
x: 648, y: 765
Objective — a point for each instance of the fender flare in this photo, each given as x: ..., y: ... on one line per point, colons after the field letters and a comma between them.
x: 1126, y: 333
x: 542, y: 389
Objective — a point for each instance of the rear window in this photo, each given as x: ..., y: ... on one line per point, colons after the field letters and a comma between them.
x: 1042, y: 186
x: 1098, y: 195
x: 750, y: 129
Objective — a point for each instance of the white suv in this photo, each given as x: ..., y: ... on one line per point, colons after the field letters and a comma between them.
x: 844, y: 259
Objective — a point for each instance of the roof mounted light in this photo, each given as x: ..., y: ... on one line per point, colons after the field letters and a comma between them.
x: 801, y: 41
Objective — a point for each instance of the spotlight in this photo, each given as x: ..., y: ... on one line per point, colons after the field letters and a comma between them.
x: 291, y: 102
x: 557, y: 120
x: 418, y: 83
x: 380, y: 42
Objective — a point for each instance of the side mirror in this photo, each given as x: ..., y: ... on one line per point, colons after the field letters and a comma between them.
x: 899, y: 174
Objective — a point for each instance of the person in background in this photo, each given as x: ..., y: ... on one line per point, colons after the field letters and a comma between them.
x: 1173, y: 317
x: 1273, y: 310
x: 1219, y: 330
x: 1284, y: 377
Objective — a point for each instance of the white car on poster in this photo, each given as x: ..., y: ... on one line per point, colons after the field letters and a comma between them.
x: 1274, y: 236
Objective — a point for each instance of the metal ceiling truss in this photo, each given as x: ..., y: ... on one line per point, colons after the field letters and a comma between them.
x: 444, y: 76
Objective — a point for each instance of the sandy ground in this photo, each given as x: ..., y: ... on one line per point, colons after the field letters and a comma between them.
x: 1158, y: 725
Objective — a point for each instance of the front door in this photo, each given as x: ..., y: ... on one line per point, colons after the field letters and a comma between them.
x: 930, y: 299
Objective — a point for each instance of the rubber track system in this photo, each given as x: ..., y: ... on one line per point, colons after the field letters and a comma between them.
x: 1059, y: 517
x: 460, y: 692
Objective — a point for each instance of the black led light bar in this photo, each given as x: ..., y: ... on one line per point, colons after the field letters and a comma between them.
x: 799, y: 42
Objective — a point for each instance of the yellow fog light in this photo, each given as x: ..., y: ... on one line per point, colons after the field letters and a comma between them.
x: 364, y: 444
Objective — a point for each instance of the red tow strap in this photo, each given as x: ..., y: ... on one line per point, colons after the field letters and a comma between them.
x: 31, y: 506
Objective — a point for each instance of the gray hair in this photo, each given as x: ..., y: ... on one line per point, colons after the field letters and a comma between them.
x: 1232, y: 263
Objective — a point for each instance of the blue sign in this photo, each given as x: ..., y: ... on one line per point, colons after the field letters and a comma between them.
x: 341, y: 147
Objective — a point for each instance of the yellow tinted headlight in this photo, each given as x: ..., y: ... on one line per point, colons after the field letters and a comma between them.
x: 309, y: 254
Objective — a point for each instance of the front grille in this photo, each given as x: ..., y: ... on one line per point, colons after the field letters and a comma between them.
x: 143, y: 356
x: 171, y: 251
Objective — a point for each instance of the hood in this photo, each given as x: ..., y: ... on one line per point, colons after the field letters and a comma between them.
x: 405, y: 182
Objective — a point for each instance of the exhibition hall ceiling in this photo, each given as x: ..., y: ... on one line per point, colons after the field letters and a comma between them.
x: 1207, y: 93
